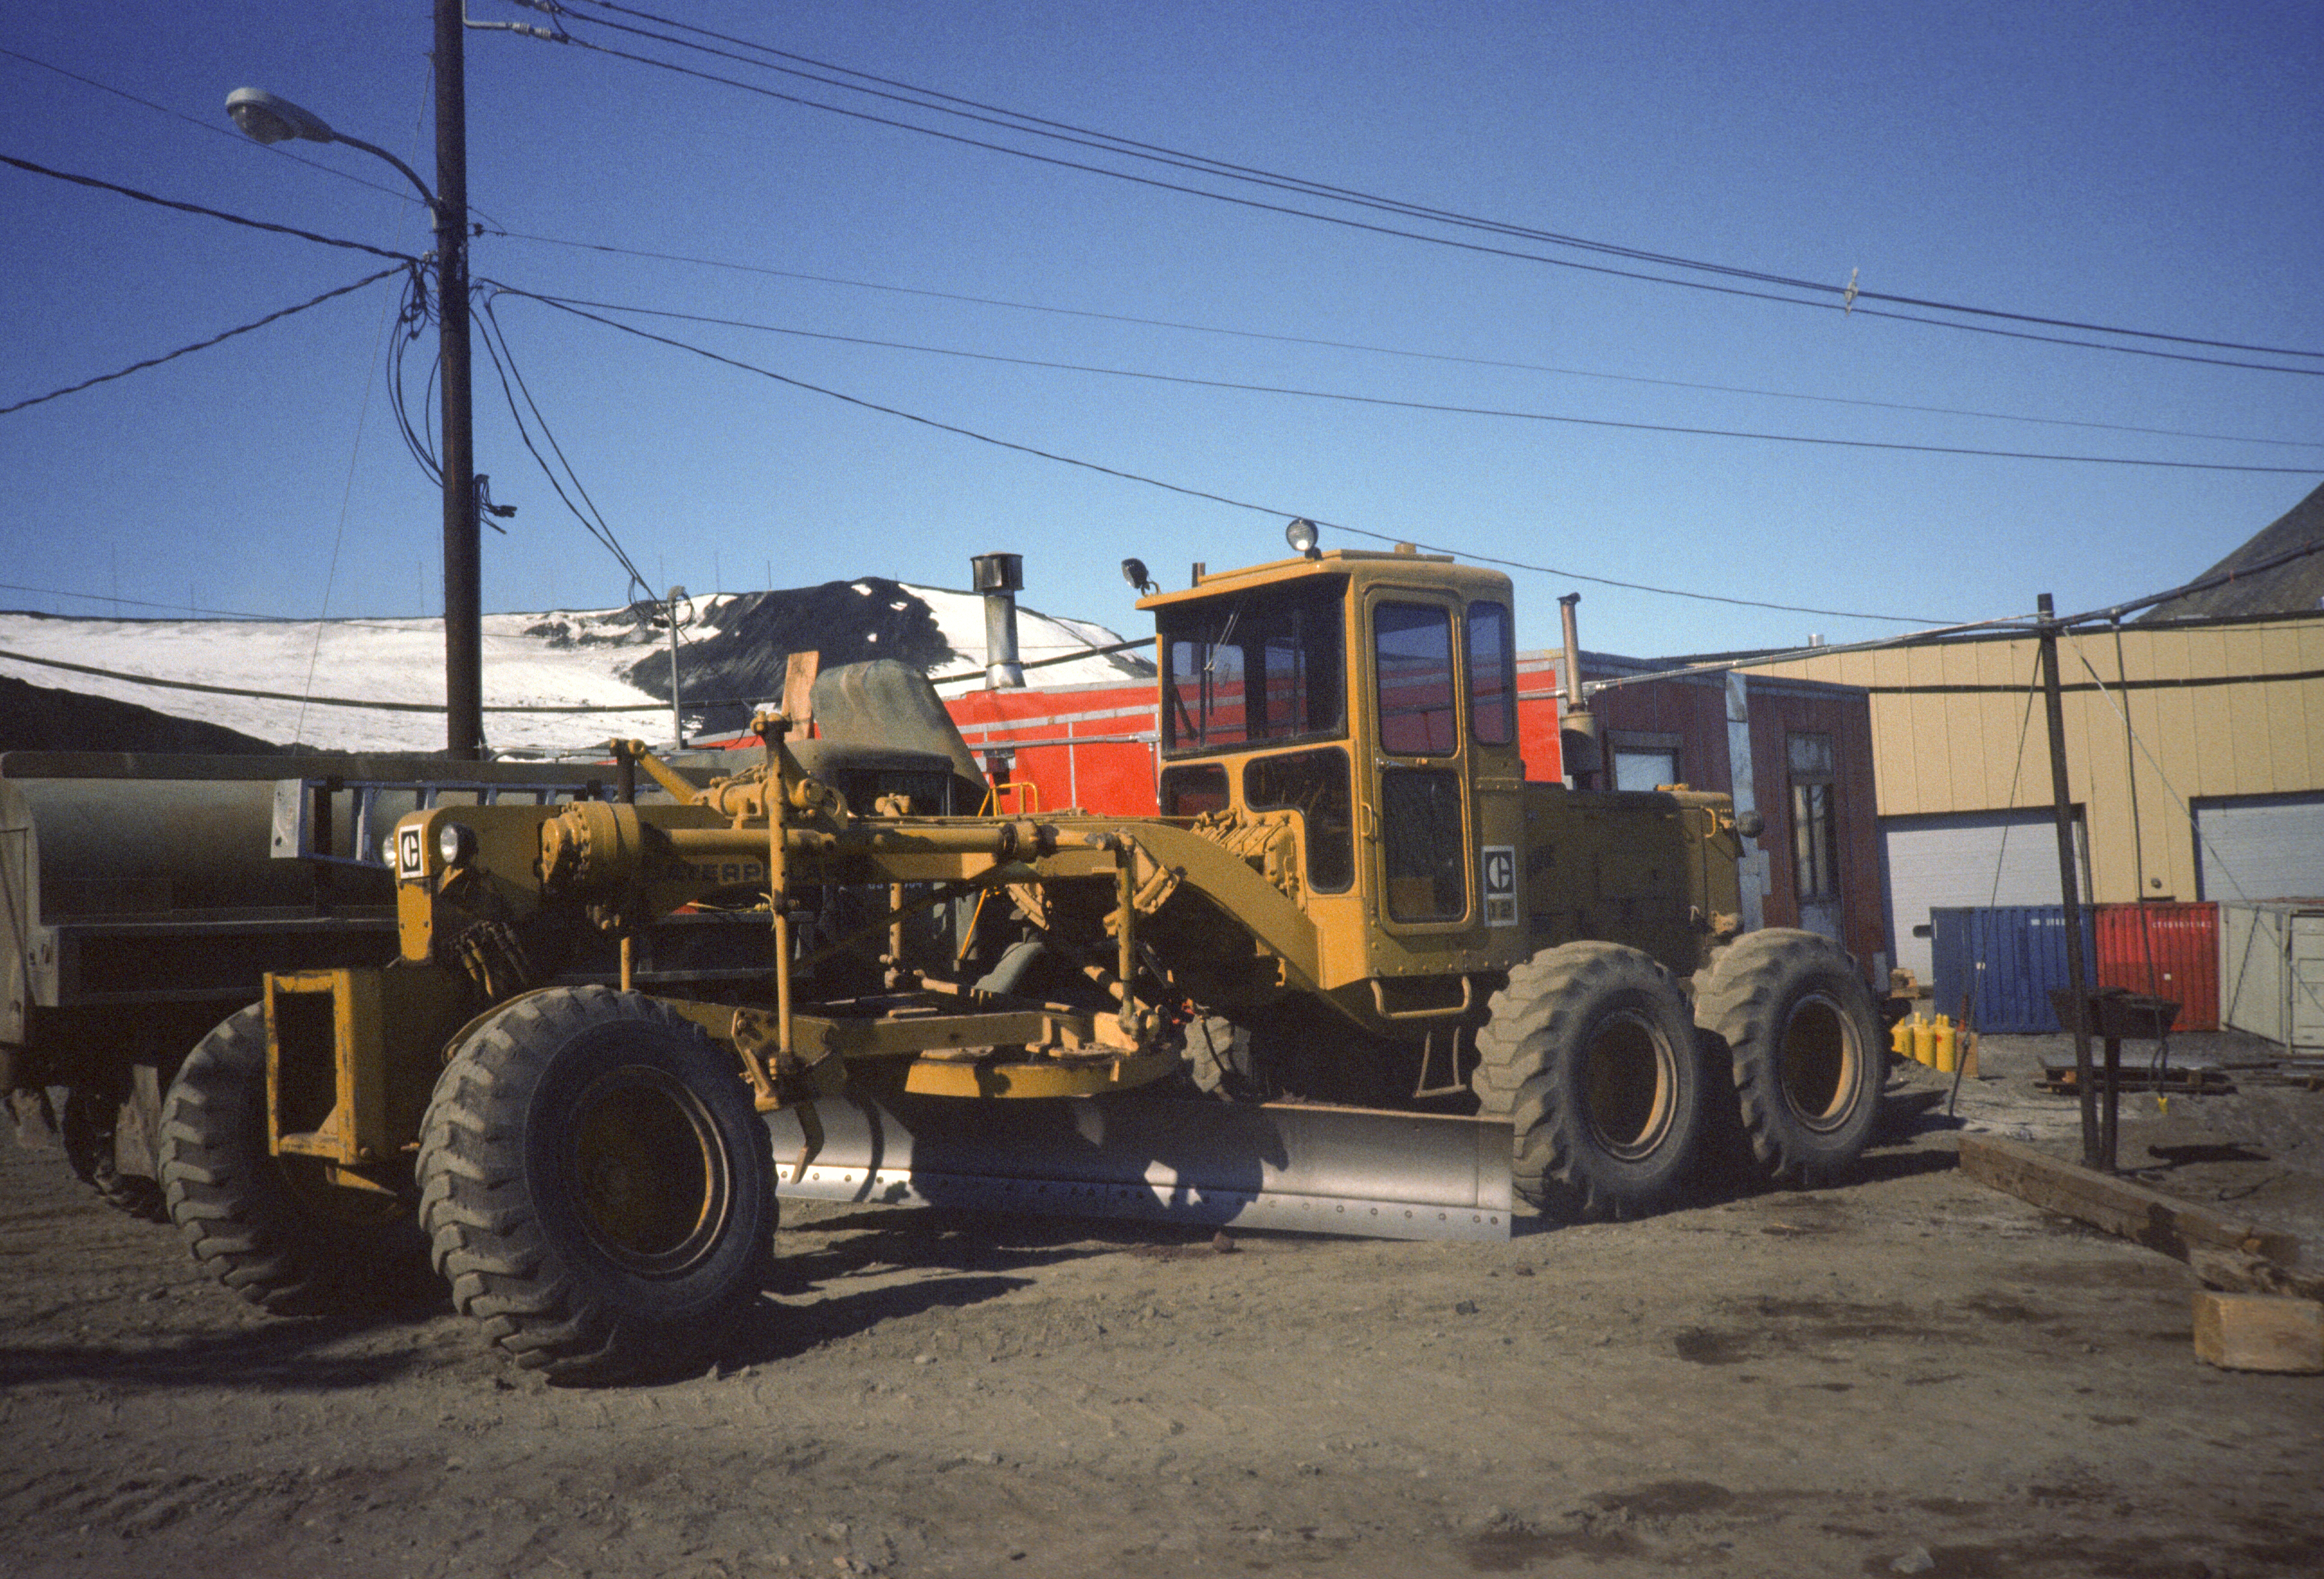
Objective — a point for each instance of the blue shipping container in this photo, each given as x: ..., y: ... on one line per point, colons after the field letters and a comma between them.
x: 2006, y: 958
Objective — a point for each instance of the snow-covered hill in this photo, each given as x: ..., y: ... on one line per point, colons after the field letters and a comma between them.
x: 608, y: 669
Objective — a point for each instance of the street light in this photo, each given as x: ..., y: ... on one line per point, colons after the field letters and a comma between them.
x: 267, y: 118
x: 264, y: 117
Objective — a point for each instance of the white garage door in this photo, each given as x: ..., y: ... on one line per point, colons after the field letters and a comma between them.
x: 1967, y: 859
x: 2268, y: 847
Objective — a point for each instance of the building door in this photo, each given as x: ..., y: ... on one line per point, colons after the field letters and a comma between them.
x: 2261, y: 847
x: 1815, y: 833
x: 1968, y: 859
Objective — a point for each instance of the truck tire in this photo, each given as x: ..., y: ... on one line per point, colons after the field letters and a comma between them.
x: 1805, y: 1047
x: 597, y: 1187
x: 91, y: 1126
x: 269, y: 1226
x: 1591, y: 1052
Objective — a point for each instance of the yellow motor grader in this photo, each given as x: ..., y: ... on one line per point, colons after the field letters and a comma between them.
x: 1359, y: 975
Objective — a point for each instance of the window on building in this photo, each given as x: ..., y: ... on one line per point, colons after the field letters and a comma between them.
x: 1645, y: 760
x: 1815, y: 819
x: 1644, y: 769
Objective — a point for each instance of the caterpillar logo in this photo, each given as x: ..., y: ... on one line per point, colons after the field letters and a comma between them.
x: 1499, y: 862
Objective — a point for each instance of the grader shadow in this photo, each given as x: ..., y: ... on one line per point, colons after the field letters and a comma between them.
x: 287, y: 1357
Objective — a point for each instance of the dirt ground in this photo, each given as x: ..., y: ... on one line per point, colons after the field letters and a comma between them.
x: 1910, y: 1374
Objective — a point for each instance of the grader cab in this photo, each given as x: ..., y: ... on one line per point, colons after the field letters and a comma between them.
x: 1359, y: 975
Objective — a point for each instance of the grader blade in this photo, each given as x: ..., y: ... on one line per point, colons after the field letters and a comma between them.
x: 1313, y: 1170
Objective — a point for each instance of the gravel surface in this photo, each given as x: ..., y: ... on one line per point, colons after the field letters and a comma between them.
x: 1910, y: 1374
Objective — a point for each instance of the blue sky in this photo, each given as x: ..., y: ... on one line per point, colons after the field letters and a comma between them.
x: 2143, y: 166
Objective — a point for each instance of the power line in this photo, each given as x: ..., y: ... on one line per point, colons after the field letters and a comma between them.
x: 373, y: 623
x: 144, y: 603
x: 1170, y: 487
x: 1017, y: 121
x: 1606, y: 422
x: 328, y: 240
x: 199, y: 344
x: 1443, y: 356
x: 647, y: 706
x: 503, y: 359
x: 652, y: 704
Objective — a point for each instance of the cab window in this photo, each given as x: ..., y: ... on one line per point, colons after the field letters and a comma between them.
x: 1412, y: 668
x: 1254, y: 668
x: 1492, y: 676
x: 1196, y: 790
x: 1315, y: 785
x: 1426, y: 869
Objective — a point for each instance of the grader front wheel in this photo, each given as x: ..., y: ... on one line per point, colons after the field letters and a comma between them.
x: 1591, y: 1052
x: 598, y: 1186
x: 271, y: 1227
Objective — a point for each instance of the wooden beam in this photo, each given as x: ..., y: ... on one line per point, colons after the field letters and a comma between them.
x: 2260, y: 1331
x: 2226, y: 1252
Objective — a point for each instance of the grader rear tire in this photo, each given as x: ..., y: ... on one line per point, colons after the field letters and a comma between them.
x: 90, y: 1127
x: 269, y: 1226
x: 1807, y: 1053
x: 1591, y: 1054
x: 597, y: 1187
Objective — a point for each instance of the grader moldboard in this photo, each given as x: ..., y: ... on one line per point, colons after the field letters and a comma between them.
x: 1360, y: 976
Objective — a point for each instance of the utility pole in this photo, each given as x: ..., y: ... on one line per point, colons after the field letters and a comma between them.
x: 2070, y: 887
x: 676, y: 719
x: 464, y: 598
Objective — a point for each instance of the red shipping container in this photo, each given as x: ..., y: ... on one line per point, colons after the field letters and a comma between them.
x: 2184, y: 943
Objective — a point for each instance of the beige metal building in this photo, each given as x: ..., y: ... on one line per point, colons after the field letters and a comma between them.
x: 2194, y: 749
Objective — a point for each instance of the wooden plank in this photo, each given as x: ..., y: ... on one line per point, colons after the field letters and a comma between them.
x: 2224, y: 1250
x: 2251, y: 1275
x: 2260, y: 1331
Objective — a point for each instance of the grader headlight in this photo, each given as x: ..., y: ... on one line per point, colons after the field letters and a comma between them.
x: 456, y: 844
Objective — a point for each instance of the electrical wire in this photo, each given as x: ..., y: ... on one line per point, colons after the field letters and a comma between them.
x: 199, y: 344
x: 1017, y: 120
x: 137, y: 603
x: 2193, y: 823
x: 1843, y: 298
x: 651, y: 704
x: 328, y: 240
x: 1501, y: 412
x: 1177, y: 488
x: 1449, y: 357
x: 593, y: 520
x: 339, y: 533
x: 411, y: 322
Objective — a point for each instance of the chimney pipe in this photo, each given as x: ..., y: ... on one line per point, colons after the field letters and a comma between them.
x: 1577, y: 732
x: 1001, y: 578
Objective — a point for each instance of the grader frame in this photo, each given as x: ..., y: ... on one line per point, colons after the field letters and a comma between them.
x: 1353, y: 897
